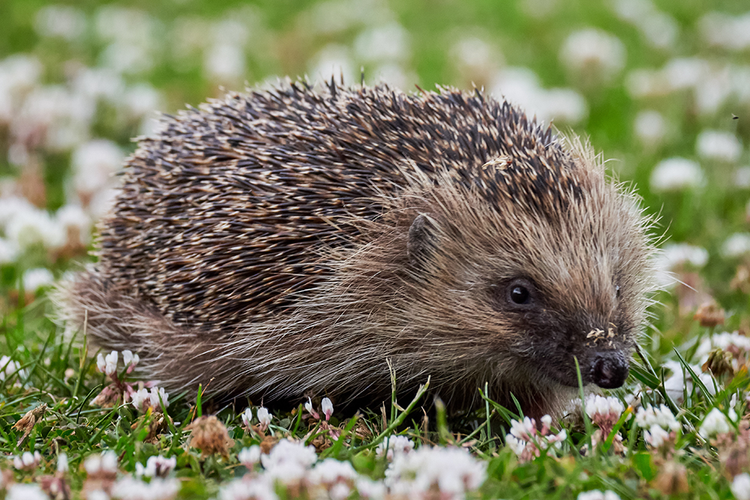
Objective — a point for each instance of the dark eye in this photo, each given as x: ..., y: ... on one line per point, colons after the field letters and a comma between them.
x: 519, y: 293
x: 617, y: 291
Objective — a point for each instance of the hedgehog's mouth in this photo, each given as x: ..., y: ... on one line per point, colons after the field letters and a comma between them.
x: 606, y: 369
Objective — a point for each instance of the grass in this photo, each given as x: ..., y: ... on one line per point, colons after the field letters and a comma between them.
x: 61, y: 373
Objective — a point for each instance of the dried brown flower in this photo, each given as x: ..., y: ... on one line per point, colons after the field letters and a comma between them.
x: 210, y: 436
x: 719, y: 363
x: 267, y: 444
x: 27, y: 422
x: 672, y: 479
x: 741, y: 280
x: 709, y: 315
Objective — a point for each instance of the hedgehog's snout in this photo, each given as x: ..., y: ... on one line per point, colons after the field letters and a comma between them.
x: 609, y: 369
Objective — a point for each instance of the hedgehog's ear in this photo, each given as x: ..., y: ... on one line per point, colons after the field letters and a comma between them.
x: 423, y: 238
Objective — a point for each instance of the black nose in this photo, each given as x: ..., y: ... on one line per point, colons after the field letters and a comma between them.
x: 609, y: 370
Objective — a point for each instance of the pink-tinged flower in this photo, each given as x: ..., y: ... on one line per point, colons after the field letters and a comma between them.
x: 604, y: 413
x: 130, y: 488
x: 327, y: 407
x: 159, y: 398
x: 249, y: 456
x: 25, y: 492
x: 264, y: 418
x: 741, y: 486
x: 395, y: 445
x: 311, y: 410
x: 598, y: 495
x: 27, y: 461
x: 62, y: 463
x: 716, y: 423
x: 660, y: 426
x: 101, y: 364
x: 131, y: 360
x: 156, y: 466
x: 101, y: 464
x: 247, y: 417
x: 438, y: 472
x: 527, y: 442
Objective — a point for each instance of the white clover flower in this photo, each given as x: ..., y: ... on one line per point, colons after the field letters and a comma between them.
x: 661, y: 416
x: 333, y: 61
x: 61, y: 21
x: 35, y: 279
x: 309, y: 406
x: 716, y: 422
x: 110, y: 360
x: 385, y: 43
x: 9, y: 367
x: 76, y: 222
x: 20, y: 72
x: 327, y: 407
x: 736, y: 245
x: 726, y: 31
x: 260, y: 488
x: 449, y: 472
x: 99, y: 83
x: 156, y: 466
x: 35, y: 227
x: 741, y: 486
x: 8, y: 252
x: 11, y: 207
x: 675, y: 256
x: 247, y: 417
x: 650, y: 128
x: 130, y: 359
x: 101, y: 364
x: 367, y: 488
x: 719, y: 146
x: 658, y: 28
x: 600, y: 408
x: 521, y: 86
x: 94, y: 163
x: 97, y: 495
x: 27, y: 460
x: 289, y: 452
x: 598, y: 495
x: 62, y: 463
x: 140, y: 398
x: 677, y: 383
x: 224, y: 62
x: 97, y: 463
x: 140, y: 100
x: 19, y: 491
x: 733, y: 342
x: 593, y: 52
x: 339, y: 491
x: 676, y: 174
x: 156, y: 394
x: 685, y: 72
x: 656, y: 436
x: 249, y: 456
x: 264, y: 417
x: 396, y: 445
x: 130, y: 488
x: 331, y: 471
x: 475, y: 59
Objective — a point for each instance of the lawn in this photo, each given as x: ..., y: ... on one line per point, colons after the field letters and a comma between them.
x: 660, y: 88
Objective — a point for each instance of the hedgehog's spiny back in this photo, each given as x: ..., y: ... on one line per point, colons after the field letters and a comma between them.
x: 224, y: 211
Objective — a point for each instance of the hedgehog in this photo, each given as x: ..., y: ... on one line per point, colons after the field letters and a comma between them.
x: 299, y: 240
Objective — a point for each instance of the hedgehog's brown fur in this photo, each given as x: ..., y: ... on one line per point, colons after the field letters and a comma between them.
x: 289, y: 242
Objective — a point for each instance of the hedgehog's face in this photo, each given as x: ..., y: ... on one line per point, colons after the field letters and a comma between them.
x: 537, y: 292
